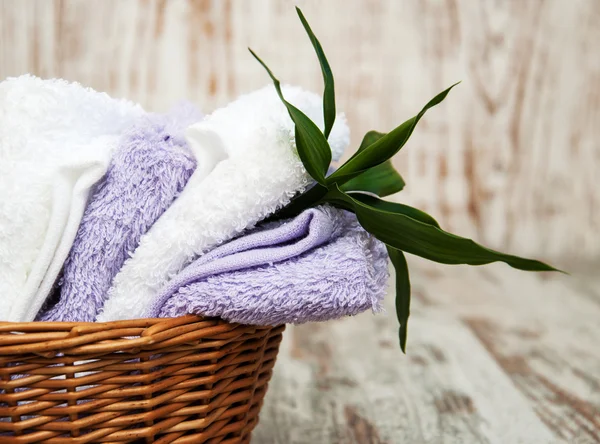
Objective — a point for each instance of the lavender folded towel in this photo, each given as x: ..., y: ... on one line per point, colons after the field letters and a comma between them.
x: 320, y: 265
x: 151, y: 166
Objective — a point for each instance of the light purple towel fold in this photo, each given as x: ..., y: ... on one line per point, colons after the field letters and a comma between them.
x: 150, y: 168
x: 320, y: 265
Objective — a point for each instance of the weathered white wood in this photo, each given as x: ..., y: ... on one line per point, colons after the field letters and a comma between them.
x: 494, y: 355
x: 344, y: 380
x: 511, y: 158
x: 543, y: 331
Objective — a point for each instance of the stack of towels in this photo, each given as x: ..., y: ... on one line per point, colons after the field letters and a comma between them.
x: 108, y: 212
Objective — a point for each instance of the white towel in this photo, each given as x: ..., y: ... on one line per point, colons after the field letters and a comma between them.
x: 260, y: 175
x: 56, y: 139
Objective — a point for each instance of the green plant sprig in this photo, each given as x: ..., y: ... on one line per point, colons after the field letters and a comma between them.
x: 402, y: 228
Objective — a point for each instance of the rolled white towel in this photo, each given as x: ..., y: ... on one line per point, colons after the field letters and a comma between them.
x: 56, y: 139
x: 260, y: 175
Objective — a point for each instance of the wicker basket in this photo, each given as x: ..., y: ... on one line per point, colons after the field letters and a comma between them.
x: 181, y: 380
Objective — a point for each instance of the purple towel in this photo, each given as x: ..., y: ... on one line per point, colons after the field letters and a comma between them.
x: 148, y: 171
x: 320, y: 265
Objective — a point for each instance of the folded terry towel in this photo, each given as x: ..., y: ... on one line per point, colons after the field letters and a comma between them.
x: 261, y: 174
x: 273, y: 242
x: 56, y: 139
x: 148, y: 171
x: 277, y: 276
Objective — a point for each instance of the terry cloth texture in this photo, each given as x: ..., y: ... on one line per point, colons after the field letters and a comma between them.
x: 261, y: 173
x: 56, y: 139
x: 321, y: 265
x: 148, y: 171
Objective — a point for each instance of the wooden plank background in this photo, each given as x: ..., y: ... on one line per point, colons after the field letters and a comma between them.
x: 494, y: 356
x: 511, y: 158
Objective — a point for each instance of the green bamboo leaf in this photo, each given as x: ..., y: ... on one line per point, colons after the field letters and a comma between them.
x: 384, y: 148
x: 395, y: 207
x: 382, y: 179
x: 300, y: 203
x: 402, y: 293
x: 329, y: 92
x: 369, y: 139
x: 313, y: 149
x: 428, y: 241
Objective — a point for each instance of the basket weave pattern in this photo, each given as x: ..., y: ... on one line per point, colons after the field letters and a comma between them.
x: 180, y: 380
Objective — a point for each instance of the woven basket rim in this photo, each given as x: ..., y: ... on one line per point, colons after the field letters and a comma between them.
x: 185, y: 380
x: 130, y: 336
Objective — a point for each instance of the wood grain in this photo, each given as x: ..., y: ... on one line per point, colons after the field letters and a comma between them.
x: 510, y: 159
x: 494, y: 356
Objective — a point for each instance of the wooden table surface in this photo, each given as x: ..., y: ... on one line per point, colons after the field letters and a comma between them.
x: 510, y: 159
x: 494, y: 356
